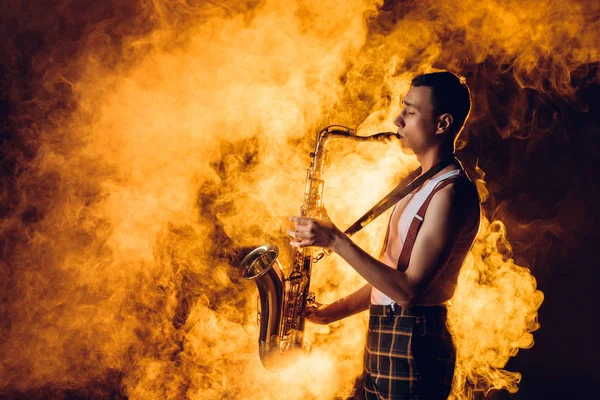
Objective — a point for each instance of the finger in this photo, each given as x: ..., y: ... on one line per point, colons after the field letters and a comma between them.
x: 308, y: 311
x: 304, y: 228
x: 297, y: 243
x: 301, y: 220
x: 298, y: 234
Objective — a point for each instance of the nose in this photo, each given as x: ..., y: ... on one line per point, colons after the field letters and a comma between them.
x: 399, y: 121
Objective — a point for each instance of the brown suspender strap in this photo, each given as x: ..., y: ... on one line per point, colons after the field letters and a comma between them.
x: 415, y: 225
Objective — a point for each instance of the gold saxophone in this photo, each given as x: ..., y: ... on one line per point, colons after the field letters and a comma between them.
x: 283, y: 299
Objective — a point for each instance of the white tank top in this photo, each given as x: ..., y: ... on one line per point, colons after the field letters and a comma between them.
x: 399, y: 225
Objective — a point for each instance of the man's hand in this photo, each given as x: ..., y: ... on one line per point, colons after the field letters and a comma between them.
x: 356, y: 302
x: 317, y: 314
x: 314, y: 232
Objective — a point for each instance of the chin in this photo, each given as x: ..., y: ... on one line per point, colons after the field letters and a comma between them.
x: 406, y: 150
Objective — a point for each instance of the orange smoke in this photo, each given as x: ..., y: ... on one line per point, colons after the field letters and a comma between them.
x: 170, y: 136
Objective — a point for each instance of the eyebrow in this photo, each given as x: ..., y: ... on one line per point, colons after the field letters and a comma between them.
x: 409, y: 104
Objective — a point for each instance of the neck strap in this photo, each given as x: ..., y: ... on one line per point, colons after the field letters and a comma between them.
x: 405, y: 187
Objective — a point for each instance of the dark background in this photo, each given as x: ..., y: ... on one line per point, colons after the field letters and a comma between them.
x: 538, y: 147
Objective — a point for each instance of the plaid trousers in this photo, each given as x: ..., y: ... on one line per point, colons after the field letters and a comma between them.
x: 409, y: 354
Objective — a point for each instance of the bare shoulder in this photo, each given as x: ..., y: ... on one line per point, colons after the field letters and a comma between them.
x: 459, y: 199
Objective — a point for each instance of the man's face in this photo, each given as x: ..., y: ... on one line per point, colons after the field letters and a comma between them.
x: 416, y: 123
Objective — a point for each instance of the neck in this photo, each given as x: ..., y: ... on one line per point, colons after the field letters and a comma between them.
x: 433, y: 156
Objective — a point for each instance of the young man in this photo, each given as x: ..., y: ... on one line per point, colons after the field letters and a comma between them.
x: 409, y: 352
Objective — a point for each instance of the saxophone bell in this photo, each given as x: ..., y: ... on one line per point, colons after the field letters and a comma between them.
x: 263, y: 267
x: 259, y: 262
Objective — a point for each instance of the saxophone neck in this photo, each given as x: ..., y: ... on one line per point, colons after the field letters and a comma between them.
x: 335, y: 130
x: 331, y: 131
x: 344, y: 132
x: 339, y: 131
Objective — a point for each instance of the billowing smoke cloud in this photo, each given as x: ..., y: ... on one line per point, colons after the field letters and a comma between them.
x: 150, y: 144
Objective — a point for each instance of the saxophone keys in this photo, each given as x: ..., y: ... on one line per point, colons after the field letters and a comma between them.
x: 258, y: 311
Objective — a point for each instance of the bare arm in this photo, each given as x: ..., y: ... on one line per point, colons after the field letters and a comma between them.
x: 444, y: 223
x: 342, y: 308
x: 449, y: 214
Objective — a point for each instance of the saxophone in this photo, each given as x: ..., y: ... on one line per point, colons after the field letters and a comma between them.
x: 283, y: 299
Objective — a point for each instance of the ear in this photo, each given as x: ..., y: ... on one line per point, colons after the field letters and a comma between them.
x: 444, y: 123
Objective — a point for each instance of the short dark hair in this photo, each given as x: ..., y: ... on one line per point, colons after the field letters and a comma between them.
x: 449, y: 94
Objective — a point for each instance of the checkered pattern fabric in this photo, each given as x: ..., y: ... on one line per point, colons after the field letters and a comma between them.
x: 409, y: 354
